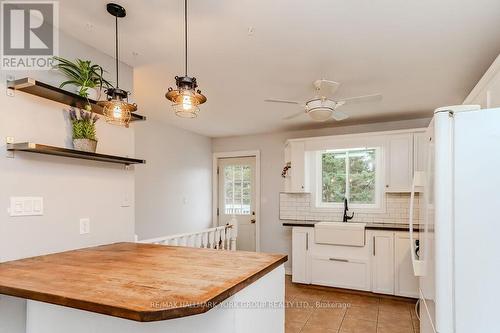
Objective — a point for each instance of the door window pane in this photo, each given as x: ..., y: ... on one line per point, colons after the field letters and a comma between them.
x: 237, y: 189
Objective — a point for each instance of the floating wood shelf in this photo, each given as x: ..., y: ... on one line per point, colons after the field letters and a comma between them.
x: 34, y: 87
x: 65, y: 152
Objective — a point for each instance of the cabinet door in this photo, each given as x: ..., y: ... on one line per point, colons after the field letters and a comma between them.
x: 419, y: 151
x: 399, y: 162
x: 340, y: 272
x: 383, y: 262
x: 406, y: 284
x: 297, y: 172
x: 300, y: 254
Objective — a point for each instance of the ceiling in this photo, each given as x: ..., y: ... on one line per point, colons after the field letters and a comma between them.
x: 419, y: 54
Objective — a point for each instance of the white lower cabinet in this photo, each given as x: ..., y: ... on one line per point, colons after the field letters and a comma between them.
x: 301, y: 239
x: 383, y: 265
x: 383, y: 262
x: 341, y: 273
x: 405, y: 284
x: 392, y: 271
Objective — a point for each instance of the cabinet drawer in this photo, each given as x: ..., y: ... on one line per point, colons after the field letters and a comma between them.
x: 340, y: 272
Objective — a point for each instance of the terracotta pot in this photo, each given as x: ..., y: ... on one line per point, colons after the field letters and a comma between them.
x: 87, y: 145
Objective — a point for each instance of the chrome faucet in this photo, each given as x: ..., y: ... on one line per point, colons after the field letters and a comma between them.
x: 346, y: 208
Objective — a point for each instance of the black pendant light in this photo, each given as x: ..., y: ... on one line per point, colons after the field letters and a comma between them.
x: 186, y: 97
x: 116, y: 109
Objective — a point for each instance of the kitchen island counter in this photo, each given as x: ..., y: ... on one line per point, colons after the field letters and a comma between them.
x: 140, y: 282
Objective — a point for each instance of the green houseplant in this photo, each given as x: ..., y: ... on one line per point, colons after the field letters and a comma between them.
x: 84, y: 133
x: 85, y: 75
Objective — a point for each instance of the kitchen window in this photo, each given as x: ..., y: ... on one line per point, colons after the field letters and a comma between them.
x: 353, y: 173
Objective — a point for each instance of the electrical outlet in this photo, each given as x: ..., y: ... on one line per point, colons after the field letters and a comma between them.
x: 84, y: 226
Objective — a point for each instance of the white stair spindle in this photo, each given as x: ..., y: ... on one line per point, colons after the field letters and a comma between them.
x: 223, y: 238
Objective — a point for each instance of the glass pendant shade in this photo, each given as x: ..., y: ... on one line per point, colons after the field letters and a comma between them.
x: 186, y: 105
x: 185, y: 99
x: 116, y: 109
x: 117, y: 112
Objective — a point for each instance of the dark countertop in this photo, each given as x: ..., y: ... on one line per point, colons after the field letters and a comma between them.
x: 369, y: 226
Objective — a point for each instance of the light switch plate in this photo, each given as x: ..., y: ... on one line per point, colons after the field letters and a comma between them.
x: 26, y: 206
x: 84, y: 226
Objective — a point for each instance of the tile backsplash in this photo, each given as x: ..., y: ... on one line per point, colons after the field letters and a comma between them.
x: 297, y: 206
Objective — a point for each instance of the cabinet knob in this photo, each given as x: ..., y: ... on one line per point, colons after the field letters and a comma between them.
x: 387, y: 186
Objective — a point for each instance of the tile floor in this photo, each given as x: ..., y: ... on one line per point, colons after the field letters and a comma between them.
x: 312, y: 309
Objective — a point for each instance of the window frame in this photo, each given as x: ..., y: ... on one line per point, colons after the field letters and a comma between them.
x: 317, y: 183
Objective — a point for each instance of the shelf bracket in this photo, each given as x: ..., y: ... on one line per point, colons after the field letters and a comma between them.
x: 9, y: 140
x: 9, y: 91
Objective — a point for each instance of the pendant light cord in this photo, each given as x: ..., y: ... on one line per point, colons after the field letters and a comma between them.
x: 116, y: 48
x: 186, y: 35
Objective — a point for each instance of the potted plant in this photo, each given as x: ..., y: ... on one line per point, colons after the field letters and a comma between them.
x: 86, y: 76
x: 83, y: 125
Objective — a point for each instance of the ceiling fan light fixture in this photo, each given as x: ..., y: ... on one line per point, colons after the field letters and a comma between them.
x: 320, y: 114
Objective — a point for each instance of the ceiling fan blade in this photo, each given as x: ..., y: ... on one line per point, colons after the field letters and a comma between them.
x: 295, y: 115
x: 274, y: 100
x: 359, y: 99
x: 339, y: 115
x: 326, y: 88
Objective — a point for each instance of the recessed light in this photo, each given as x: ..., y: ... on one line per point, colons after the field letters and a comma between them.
x: 251, y: 31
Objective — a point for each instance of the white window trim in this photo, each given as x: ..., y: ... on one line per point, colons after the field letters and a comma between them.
x: 316, y: 181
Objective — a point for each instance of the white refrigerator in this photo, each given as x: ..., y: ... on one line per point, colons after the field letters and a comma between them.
x: 458, y: 261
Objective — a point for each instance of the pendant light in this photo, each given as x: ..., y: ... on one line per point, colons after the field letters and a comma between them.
x: 186, y: 97
x: 116, y: 109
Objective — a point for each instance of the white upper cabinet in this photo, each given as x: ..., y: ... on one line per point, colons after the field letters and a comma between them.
x: 399, y: 162
x: 487, y: 91
x: 295, y: 181
x: 404, y: 153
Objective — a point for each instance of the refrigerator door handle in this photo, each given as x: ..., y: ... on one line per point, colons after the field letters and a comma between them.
x: 418, y: 180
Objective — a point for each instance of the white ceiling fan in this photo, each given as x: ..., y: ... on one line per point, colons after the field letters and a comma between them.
x: 322, y: 107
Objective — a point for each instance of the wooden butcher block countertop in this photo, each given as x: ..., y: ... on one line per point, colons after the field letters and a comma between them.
x: 141, y: 282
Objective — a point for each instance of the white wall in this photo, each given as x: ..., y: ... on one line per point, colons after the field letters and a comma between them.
x: 71, y: 188
x: 173, y: 190
x: 274, y: 237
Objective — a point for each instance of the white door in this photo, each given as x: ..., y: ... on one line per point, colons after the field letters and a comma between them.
x: 236, y: 197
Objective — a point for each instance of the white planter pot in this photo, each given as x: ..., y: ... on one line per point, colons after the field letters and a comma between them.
x: 87, y: 145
